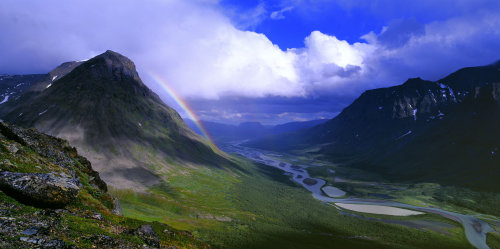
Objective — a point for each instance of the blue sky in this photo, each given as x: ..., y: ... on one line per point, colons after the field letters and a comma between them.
x: 257, y: 60
x: 292, y: 22
x: 287, y: 22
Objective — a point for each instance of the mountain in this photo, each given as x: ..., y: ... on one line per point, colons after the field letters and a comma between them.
x: 50, y: 197
x: 226, y: 133
x: 12, y: 87
x: 295, y: 126
x: 104, y: 109
x: 248, y: 130
x: 446, y: 131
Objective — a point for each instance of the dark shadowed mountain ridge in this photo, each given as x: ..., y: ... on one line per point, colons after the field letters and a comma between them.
x: 446, y: 131
x: 17, y: 89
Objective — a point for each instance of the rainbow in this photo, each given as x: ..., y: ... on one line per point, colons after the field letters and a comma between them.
x: 184, y: 105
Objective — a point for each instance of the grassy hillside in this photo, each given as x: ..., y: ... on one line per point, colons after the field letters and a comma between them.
x: 88, y: 221
x: 258, y: 207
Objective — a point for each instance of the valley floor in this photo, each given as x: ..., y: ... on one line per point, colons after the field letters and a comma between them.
x: 257, y: 206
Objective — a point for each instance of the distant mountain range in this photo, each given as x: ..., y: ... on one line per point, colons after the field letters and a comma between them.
x: 25, y: 87
x: 249, y: 130
x: 102, y: 107
x: 13, y: 86
x: 446, y: 131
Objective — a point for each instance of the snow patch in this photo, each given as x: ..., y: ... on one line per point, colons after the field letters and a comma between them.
x: 415, y: 114
x: 440, y: 114
x: 54, y: 78
x: 380, y: 107
x: 451, y: 92
x: 20, y: 114
x: 406, y: 134
x: 42, y: 112
x: 140, y: 125
x: 50, y: 84
x: 5, y: 99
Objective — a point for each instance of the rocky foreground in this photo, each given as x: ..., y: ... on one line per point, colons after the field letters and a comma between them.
x: 52, y: 198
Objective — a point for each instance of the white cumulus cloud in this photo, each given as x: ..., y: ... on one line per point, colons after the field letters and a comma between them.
x: 200, y: 52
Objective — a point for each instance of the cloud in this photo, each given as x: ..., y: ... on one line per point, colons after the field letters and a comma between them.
x: 247, y: 19
x: 279, y: 14
x: 203, y: 55
x: 399, y: 32
x: 441, y: 48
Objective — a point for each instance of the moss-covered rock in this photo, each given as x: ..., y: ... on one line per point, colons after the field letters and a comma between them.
x: 36, y: 189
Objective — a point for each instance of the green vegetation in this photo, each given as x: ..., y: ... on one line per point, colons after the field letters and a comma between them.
x: 259, y: 207
x: 78, y: 225
x: 482, y: 202
x: 86, y: 222
x: 493, y: 240
x: 462, y: 200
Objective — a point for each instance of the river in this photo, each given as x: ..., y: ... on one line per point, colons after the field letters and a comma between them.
x: 475, y: 229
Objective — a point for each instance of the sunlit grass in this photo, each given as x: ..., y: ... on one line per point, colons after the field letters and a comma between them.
x: 266, y: 210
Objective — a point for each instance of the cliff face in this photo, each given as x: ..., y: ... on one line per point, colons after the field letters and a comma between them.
x: 50, y: 197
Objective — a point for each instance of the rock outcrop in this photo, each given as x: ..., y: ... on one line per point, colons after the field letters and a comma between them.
x: 148, y: 235
x: 41, y: 190
x: 57, y: 150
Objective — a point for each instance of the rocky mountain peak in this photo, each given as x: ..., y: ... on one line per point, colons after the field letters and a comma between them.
x: 110, y: 65
x: 414, y: 82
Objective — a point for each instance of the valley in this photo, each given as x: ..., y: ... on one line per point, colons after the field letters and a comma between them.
x: 255, y: 124
x: 476, y: 229
x: 258, y: 206
x: 232, y: 195
x: 303, y: 184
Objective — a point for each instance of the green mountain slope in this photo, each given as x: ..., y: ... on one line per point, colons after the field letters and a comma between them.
x: 50, y: 197
x: 126, y: 131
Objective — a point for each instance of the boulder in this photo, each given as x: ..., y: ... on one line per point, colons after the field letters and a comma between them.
x: 148, y: 235
x: 117, y: 208
x: 41, y: 190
